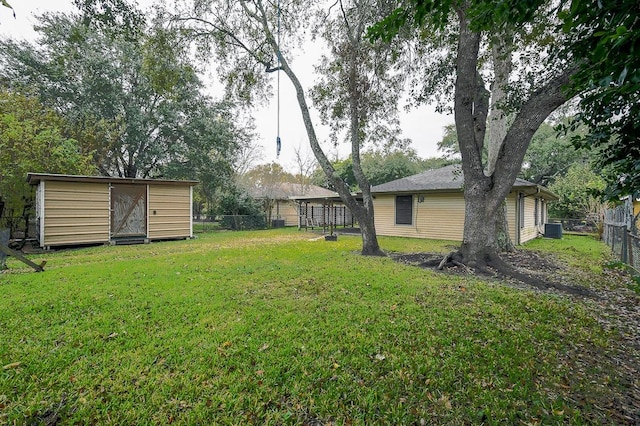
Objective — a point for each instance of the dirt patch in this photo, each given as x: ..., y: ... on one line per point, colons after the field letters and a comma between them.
x: 530, y: 269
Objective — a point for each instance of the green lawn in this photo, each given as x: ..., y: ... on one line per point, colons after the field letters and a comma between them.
x: 271, y: 327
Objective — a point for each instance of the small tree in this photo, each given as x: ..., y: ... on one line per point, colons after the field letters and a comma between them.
x: 32, y: 140
x: 577, y: 191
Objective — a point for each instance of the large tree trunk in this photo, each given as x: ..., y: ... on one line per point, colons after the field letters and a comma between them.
x: 501, y: 48
x: 479, y: 245
x: 503, y: 238
x: 484, y: 193
x: 362, y: 211
x: 367, y: 223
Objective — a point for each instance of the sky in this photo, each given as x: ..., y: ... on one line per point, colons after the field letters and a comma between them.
x: 423, y: 125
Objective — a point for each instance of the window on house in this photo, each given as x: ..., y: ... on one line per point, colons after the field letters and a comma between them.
x: 521, y: 210
x: 536, y: 210
x: 404, y: 210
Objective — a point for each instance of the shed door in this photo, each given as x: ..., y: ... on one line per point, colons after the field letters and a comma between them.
x: 128, y: 211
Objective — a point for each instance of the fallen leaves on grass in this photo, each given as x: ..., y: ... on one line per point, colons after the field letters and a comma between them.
x: 12, y: 365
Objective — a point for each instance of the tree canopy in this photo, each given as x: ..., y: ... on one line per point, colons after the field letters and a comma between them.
x: 605, y: 36
x: 577, y: 190
x: 468, y: 30
x: 551, y: 154
x: 130, y: 94
x: 133, y: 96
x: 32, y: 139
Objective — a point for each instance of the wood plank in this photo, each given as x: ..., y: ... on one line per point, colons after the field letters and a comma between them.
x: 9, y: 252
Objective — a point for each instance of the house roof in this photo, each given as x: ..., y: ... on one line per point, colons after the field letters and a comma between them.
x: 35, y: 178
x: 447, y: 179
x: 288, y: 190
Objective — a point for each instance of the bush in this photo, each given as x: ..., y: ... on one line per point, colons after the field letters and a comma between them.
x: 243, y: 222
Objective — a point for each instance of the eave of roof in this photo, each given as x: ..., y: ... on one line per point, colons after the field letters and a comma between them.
x: 315, y: 199
x: 35, y: 178
x: 448, y: 179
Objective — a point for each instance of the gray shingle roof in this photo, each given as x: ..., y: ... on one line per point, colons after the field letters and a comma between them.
x: 445, y: 178
x: 448, y: 178
x: 286, y: 190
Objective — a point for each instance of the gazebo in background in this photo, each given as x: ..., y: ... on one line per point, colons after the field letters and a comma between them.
x: 327, y: 212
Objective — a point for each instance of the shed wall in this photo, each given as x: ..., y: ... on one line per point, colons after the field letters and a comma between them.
x: 169, y: 211
x: 75, y: 213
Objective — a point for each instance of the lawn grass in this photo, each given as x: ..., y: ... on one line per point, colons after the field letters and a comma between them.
x: 271, y: 327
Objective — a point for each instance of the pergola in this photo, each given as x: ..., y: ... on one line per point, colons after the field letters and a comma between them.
x: 327, y: 213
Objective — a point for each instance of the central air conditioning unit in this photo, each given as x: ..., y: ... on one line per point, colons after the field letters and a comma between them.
x: 553, y: 230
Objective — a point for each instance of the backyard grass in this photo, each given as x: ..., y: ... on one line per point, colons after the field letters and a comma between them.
x: 275, y: 327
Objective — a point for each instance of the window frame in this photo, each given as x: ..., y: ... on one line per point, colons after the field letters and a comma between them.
x: 407, y: 210
x: 521, y: 208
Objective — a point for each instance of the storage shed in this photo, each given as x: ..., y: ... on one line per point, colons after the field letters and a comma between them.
x: 75, y: 210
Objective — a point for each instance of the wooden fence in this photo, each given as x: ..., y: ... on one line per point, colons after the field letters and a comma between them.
x: 620, y: 232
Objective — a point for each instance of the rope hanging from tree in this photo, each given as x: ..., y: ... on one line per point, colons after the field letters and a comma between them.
x: 278, y: 142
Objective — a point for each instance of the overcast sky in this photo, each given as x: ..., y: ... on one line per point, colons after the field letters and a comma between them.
x: 423, y: 126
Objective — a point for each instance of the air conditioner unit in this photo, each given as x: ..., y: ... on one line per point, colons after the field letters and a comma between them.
x: 553, y: 230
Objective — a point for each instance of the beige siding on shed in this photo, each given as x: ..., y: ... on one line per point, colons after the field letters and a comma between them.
x: 75, y: 213
x: 439, y: 216
x: 169, y: 211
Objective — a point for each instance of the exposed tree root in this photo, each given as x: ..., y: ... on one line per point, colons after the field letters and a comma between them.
x: 453, y: 259
x: 447, y: 259
x: 492, y: 265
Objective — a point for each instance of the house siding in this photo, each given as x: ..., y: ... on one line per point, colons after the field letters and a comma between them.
x: 530, y: 229
x: 286, y: 210
x: 512, y: 216
x: 75, y: 213
x: 169, y: 211
x: 439, y: 216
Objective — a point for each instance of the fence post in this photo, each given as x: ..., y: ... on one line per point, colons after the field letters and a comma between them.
x: 630, y: 247
x: 624, y: 246
x: 4, y: 241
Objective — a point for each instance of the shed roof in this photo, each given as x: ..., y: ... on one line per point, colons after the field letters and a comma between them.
x: 35, y: 178
x: 446, y: 179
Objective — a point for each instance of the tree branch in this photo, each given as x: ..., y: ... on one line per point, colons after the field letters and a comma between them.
x: 532, y: 114
x: 234, y: 40
x: 466, y: 92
